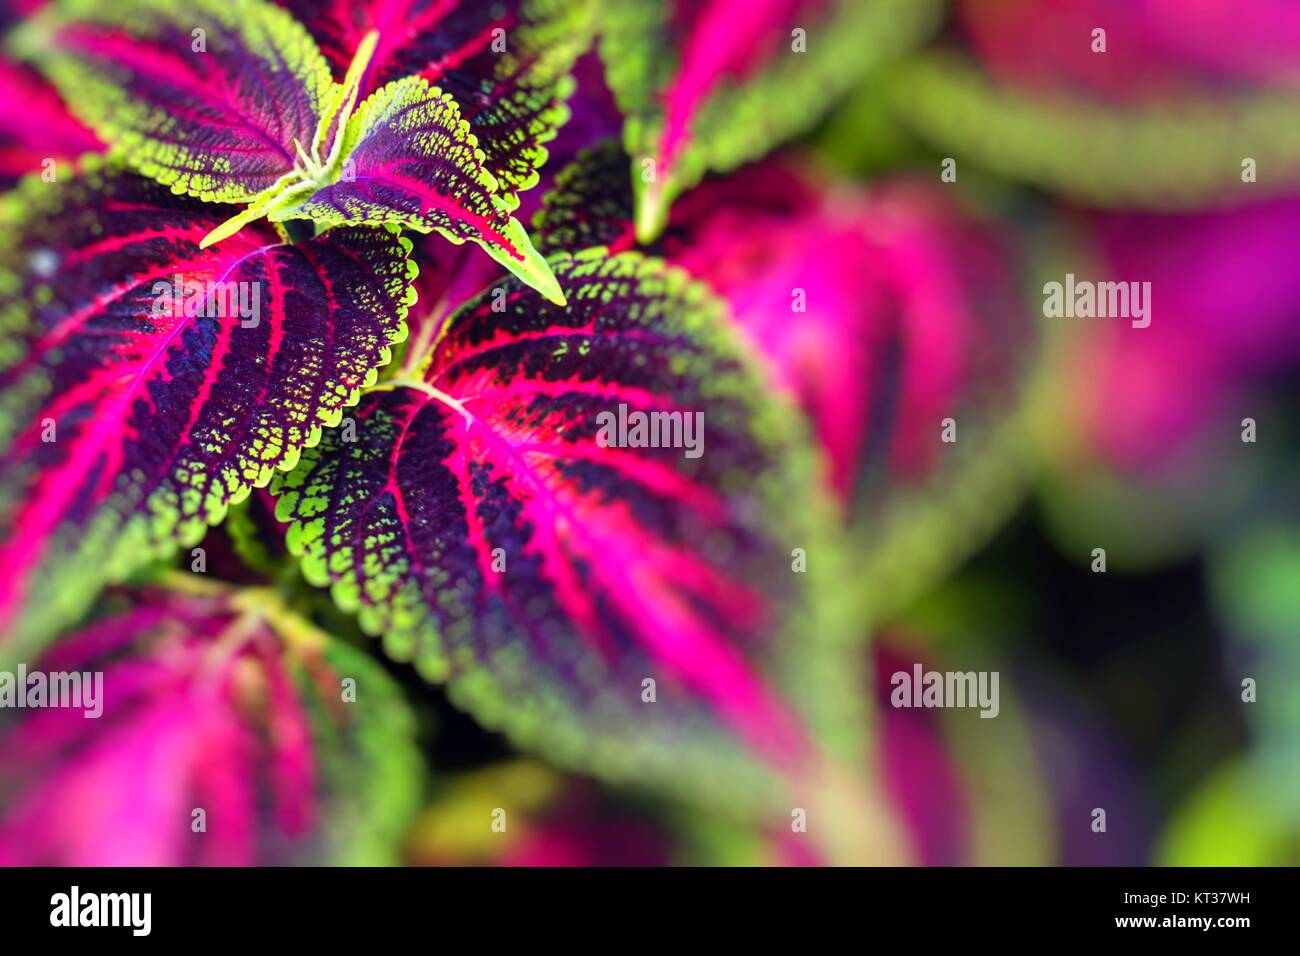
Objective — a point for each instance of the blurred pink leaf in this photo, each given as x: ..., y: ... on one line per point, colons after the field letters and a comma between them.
x: 207, y: 704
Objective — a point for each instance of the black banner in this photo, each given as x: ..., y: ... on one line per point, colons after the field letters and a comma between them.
x: 343, y: 906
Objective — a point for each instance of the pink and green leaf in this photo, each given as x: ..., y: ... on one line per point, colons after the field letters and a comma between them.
x: 479, y: 524
x: 507, y: 64
x: 711, y: 84
x: 213, y: 114
x: 409, y: 158
x: 225, y: 704
x: 881, y: 313
x: 133, y: 414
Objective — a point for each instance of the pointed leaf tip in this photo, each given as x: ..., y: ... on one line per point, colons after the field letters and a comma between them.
x: 651, y: 212
x: 230, y: 227
x: 527, y: 263
x: 365, y: 53
x: 550, y: 287
x: 534, y: 271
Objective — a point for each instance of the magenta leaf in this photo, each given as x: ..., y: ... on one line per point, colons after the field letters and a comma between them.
x: 36, y: 128
x: 146, y: 383
x: 208, y: 731
x: 496, y: 525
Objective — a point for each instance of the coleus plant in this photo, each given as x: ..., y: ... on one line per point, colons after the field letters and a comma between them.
x: 658, y: 618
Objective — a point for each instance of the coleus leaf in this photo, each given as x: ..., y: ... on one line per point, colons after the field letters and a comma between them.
x: 480, y: 525
x: 711, y: 84
x: 410, y: 159
x: 145, y: 383
x: 208, y: 96
x: 1178, y: 154
x: 231, y: 101
x: 506, y: 63
x: 883, y: 314
x: 228, y: 705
